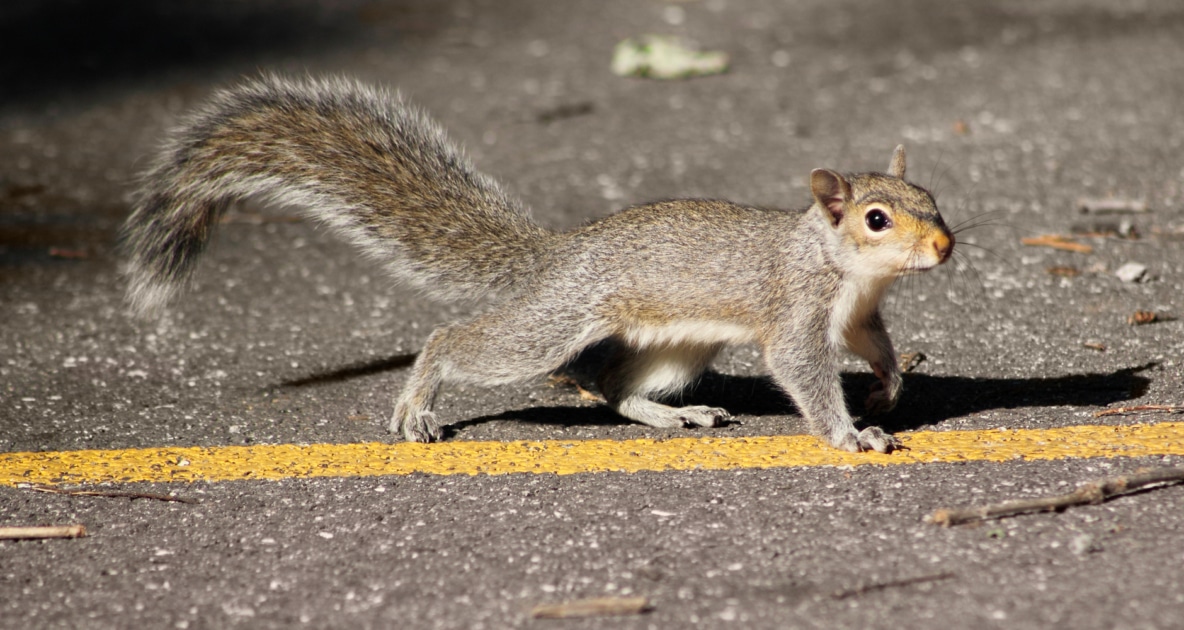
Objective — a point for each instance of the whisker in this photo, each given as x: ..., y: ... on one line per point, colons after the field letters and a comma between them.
x: 984, y: 218
x: 932, y: 185
x: 949, y: 275
x: 992, y: 252
x: 967, y: 271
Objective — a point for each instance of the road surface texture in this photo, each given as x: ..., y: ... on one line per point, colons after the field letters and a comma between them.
x: 1012, y: 112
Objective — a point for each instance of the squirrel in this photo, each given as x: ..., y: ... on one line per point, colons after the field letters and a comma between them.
x: 672, y: 282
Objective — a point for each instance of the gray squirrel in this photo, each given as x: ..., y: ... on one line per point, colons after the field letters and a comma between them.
x: 672, y: 282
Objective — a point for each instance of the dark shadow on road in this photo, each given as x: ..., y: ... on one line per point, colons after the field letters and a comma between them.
x: 59, y: 49
x: 931, y: 399
x: 927, y: 400
x: 553, y: 415
x: 356, y: 370
x: 54, y: 50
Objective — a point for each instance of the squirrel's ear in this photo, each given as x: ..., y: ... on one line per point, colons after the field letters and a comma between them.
x: 896, y: 166
x: 831, y: 191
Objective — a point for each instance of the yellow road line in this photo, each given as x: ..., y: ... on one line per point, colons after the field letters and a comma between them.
x: 281, y: 461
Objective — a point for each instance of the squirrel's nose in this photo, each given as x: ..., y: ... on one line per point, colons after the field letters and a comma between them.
x: 943, y: 244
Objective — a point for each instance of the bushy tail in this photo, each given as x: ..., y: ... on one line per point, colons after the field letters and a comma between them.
x: 358, y: 159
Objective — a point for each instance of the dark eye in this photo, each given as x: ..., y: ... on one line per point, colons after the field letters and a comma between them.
x: 877, y: 220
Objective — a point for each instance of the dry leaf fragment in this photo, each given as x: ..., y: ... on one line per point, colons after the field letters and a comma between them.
x: 1064, y: 271
x: 910, y: 360
x: 597, y: 607
x: 563, y: 380
x: 1057, y: 241
x: 1138, y: 318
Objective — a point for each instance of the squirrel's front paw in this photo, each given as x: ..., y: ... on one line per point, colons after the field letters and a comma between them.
x: 875, y: 439
x: 884, y: 393
x: 417, y: 426
x: 869, y: 439
x: 879, y: 400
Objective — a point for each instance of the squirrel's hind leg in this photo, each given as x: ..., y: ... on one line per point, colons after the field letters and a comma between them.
x: 502, y: 346
x: 634, y: 375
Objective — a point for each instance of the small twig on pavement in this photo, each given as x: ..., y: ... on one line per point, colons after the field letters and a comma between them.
x: 598, y: 607
x: 879, y: 586
x: 1112, y: 206
x: 1057, y: 241
x: 1118, y: 411
x: 51, y: 531
x: 114, y: 493
x: 1087, y: 494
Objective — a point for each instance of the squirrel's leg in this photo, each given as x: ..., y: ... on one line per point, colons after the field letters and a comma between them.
x: 871, y: 342
x: 491, y: 349
x: 809, y: 373
x: 635, y: 375
x: 413, y: 415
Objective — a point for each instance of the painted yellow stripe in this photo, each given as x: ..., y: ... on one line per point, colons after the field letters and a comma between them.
x: 282, y: 461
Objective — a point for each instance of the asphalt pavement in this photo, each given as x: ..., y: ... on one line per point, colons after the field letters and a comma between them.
x: 1016, y: 114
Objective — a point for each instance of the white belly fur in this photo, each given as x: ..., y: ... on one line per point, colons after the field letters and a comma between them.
x: 689, y: 331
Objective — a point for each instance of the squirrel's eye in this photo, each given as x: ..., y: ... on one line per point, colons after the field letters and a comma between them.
x: 877, y: 220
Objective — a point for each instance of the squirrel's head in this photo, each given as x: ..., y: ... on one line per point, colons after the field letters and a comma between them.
x: 890, y: 227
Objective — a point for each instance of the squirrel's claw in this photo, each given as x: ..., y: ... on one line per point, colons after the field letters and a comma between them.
x: 420, y: 426
x: 875, y: 439
x: 702, y: 416
x: 869, y: 439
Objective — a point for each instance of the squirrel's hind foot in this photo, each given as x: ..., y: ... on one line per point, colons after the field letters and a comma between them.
x: 702, y: 416
x: 658, y: 415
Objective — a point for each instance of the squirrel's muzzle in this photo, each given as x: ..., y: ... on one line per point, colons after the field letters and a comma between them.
x: 943, y: 245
